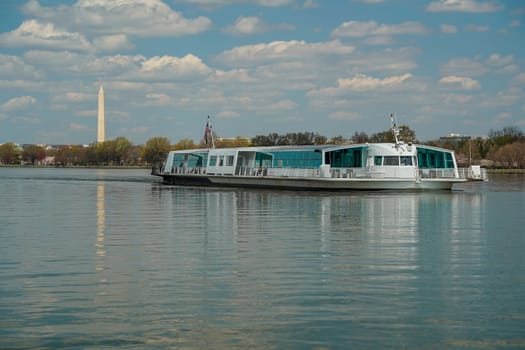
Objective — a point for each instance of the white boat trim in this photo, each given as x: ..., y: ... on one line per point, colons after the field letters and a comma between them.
x: 375, y: 166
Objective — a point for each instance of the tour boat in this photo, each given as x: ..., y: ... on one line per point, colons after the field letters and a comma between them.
x: 366, y: 166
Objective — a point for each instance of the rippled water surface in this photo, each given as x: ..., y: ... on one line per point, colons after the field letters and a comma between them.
x: 95, y: 259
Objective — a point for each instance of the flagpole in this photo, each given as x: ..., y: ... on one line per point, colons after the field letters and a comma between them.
x: 211, y: 132
x: 209, y: 129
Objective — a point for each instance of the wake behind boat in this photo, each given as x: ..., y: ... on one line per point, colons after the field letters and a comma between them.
x: 368, y: 166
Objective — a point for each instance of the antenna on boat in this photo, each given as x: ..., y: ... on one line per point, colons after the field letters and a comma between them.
x: 395, y: 129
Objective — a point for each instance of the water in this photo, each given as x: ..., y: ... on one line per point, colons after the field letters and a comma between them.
x: 94, y: 259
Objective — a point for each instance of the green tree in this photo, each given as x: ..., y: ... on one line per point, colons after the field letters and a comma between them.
x: 71, y: 155
x: 184, y: 144
x: 8, y: 153
x: 320, y: 140
x: 33, y: 154
x: 133, y: 155
x: 510, y: 155
x: 155, y: 150
x: 121, y: 147
x: 508, y: 134
x: 337, y: 140
x: 105, y: 152
x: 360, y: 137
x: 405, y: 134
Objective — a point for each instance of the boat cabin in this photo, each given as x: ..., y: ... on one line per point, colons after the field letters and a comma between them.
x: 378, y: 160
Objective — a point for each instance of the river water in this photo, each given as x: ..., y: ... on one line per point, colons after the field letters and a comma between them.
x: 94, y: 259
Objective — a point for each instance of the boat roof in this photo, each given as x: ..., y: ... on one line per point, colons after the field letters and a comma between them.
x: 303, y: 148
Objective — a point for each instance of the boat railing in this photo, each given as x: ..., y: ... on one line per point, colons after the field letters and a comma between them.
x: 474, y: 173
x: 280, y: 172
x: 181, y: 170
x: 437, y: 173
x: 295, y: 172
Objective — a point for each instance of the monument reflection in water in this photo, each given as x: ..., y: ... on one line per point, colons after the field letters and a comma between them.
x: 137, y: 264
x: 101, y: 226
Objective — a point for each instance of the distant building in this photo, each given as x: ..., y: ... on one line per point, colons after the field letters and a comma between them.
x: 455, y: 138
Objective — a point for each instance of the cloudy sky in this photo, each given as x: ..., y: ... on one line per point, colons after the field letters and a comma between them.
x: 259, y: 66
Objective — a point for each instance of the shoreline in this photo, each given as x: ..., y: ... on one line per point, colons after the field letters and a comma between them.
x: 76, y: 166
x: 489, y: 170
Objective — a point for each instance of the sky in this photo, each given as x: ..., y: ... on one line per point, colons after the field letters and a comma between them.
x: 333, y: 67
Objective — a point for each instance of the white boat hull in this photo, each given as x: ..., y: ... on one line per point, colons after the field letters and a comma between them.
x: 301, y: 183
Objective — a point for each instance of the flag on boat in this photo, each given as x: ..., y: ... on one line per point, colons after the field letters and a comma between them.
x: 207, y: 130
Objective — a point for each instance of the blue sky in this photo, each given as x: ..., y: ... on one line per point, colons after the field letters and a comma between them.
x: 259, y: 66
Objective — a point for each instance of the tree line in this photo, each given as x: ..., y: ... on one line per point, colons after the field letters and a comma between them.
x: 503, y: 148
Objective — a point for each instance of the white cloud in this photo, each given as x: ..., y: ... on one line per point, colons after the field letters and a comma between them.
x: 112, y: 65
x: 309, y: 4
x: 465, y: 82
x: 477, y: 28
x: 361, y: 82
x: 13, y: 67
x: 472, y: 6
x: 169, y: 67
x: 138, y: 130
x: 143, y: 18
x: 218, y: 3
x: 77, y: 127
x: 504, y: 116
x: 449, y: 29
x: 504, y: 98
x: 18, y: 103
x: 355, y: 29
x: 464, y: 67
x: 254, y: 25
x: 499, y: 61
x: 234, y: 75
x: 502, y: 64
x: 455, y: 99
x: 340, y: 115
x: 228, y: 115
x: 247, y: 25
x: 478, y: 66
x: 155, y: 99
x: 519, y: 79
x: 281, y: 50
x: 33, y: 33
x: 112, y: 43
x: 77, y: 96
x: 283, y: 105
x: 68, y: 63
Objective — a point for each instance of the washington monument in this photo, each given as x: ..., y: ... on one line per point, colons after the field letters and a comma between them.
x: 101, y: 127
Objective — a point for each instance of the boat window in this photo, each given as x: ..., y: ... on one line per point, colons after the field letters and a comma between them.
x: 391, y: 160
x: 229, y: 161
x: 213, y: 160
x: 346, y: 158
x: 378, y: 160
x: 449, y: 163
x: 296, y: 159
x: 406, y: 160
x: 221, y: 160
x: 431, y: 158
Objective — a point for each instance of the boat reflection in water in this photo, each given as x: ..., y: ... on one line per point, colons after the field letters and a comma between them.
x: 263, y: 260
